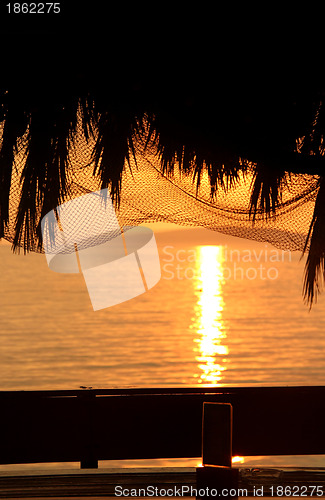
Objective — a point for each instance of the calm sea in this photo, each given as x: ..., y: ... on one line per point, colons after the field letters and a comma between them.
x: 226, y: 311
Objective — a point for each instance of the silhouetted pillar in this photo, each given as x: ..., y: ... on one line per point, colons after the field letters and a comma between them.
x: 216, y: 477
x: 89, y: 459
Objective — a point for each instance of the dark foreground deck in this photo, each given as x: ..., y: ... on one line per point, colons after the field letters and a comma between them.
x: 111, y: 483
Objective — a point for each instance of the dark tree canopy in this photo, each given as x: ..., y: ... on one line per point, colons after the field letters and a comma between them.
x: 209, y: 105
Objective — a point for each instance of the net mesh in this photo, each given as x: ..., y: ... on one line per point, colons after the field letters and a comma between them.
x: 149, y: 195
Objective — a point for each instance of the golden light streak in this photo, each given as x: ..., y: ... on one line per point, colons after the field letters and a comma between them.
x: 211, y: 348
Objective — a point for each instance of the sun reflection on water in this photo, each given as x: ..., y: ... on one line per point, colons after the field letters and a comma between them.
x: 210, y: 346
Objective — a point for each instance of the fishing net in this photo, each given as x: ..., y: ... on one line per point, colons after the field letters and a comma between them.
x: 148, y: 195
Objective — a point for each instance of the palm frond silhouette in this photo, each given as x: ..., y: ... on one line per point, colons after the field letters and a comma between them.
x: 221, y: 129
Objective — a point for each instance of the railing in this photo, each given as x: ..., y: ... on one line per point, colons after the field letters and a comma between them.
x: 90, y: 425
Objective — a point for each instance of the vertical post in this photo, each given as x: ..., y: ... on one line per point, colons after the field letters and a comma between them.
x: 217, y: 434
x: 89, y: 459
x: 216, y: 477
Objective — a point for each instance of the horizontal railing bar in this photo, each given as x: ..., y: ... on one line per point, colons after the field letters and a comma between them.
x: 115, y: 424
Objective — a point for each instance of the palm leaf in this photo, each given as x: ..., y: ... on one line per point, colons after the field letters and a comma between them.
x: 195, y: 152
x: 44, y: 174
x: 14, y: 125
x: 314, y: 274
x: 113, y: 146
x: 267, y: 188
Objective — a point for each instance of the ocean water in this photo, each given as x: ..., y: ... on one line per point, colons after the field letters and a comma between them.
x: 226, y: 311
